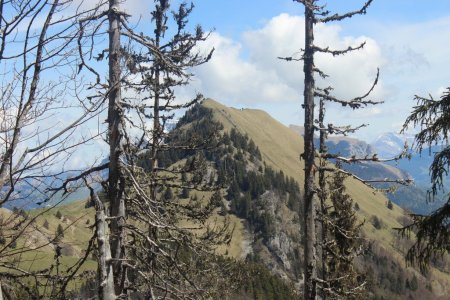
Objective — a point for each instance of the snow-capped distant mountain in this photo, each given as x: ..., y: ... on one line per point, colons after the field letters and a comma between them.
x: 391, y: 144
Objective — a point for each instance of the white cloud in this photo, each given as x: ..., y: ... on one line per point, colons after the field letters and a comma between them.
x: 229, y: 77
x: 249, y: 71
x: 417, y: 57
x: 416, y: 63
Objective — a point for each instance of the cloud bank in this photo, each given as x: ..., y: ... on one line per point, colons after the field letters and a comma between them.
x: 249, y: 71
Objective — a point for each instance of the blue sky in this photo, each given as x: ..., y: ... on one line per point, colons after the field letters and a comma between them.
x: 247, y: 15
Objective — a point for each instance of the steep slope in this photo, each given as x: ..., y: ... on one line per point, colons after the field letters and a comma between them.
x: 266, y: 132
x: 280, y: 148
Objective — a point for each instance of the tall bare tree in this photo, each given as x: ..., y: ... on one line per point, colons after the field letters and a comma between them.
x: 310, y: 253
x: 315, y: 13
x: 116, y: 179
x: 131, y: 259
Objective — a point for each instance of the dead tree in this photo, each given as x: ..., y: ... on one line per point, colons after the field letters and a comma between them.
x: 337, y: 224
x: 310, y: 252
x: 37, y: 41
x: 341, y: 244
x: 317, y: 217
x: 314, y: 13
x: 340, y: 241
x: 105, y: 274
x: 111, y: 262
x: 156, y: 66
x: 116, y: 179
x: 151, y: 253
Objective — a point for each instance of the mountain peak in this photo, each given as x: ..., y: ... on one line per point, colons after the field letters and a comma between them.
x: 390, y: 144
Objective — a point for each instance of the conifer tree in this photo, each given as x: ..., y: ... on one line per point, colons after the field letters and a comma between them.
x: 59, y: 232
x: 414, y: 285
x: 343, y: 244
x: 390, y: 205
x: 432, y: 231
x: 185, y: 193
x: 168, y: 195
x: 45, y: 225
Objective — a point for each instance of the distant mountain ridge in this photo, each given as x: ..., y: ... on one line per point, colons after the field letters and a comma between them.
x: 418, y: 165
x: 343, y: 145
x: 389, y: 145
x: 348, y: 147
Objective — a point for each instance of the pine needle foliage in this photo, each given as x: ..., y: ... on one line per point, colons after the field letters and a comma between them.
x: 343, y: 244
x: 432, y: 231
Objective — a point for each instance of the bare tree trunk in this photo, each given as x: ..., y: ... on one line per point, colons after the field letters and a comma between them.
x: 115, y: 134
x: 1, y: 293
x: 310, y: 213
x: 323, y: 194
x: 106, y: 279
x: 156, y: 108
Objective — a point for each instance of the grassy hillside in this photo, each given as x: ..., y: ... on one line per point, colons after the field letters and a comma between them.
x: 280, y: 148
x: 37, y: 247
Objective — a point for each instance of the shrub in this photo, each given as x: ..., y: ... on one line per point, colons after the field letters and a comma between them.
x: 184, y: 193
x: 376, y: 222
x: 59, y: 232
x: 390, y: 205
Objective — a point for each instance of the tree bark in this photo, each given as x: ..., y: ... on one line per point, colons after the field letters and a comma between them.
x: 323, y: 196
x: 105, y: 273
x: 310, y: 269
x: 115, y: 134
